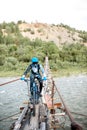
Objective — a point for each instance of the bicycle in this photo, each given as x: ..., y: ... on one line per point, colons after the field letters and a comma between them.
x: 35, y: 92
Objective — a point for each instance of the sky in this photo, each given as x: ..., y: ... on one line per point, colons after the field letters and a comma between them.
x: 68, y: 12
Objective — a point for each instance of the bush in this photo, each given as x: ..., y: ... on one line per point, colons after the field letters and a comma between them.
x: 3, y: 49
x: 12, y: 48
x: 2, y: 60
x: 9, y: 66
x: 24, y: 58
x: 8, y: 40
x: 32, y: 32
x: 12, y: 60
x: 19, y: 22
x: 53, y: 66
x: 1, y: 37
x: 83, y: 35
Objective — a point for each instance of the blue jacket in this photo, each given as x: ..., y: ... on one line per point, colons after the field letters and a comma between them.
x: 34, y: 68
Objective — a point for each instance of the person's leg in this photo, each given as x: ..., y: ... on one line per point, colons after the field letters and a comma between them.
x: 41, y: 85
x: 31, y: 83
x: 41, y: 82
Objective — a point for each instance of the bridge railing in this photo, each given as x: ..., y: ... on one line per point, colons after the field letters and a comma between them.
x: 49, y: 93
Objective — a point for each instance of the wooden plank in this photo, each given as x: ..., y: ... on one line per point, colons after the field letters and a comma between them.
x: 18, y: 122
x: 48, y: 101
x: 33, y: 125
x: 43, y: 126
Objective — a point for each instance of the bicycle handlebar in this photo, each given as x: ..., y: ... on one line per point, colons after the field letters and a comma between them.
x: 28, y: 79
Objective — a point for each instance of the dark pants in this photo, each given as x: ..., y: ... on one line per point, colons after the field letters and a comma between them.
x: 32, y: 76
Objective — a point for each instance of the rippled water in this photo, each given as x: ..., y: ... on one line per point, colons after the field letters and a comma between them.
x: 74, y: 92
x: 12, y: 97
x: 73, y: 89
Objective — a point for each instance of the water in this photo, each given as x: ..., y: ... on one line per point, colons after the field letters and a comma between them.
x: 13, y: 95
x: 74, y: 92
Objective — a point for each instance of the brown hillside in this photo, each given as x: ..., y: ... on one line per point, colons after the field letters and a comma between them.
x: 56, y: 33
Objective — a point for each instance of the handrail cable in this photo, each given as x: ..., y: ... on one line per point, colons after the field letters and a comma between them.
x: 9, y: 116
x: 9, y: 82
x: 74, y: 124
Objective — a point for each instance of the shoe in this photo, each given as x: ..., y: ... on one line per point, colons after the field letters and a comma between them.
x: 40, y: 95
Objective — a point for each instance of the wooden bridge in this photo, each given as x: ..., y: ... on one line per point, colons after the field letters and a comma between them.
x: 51, y: 111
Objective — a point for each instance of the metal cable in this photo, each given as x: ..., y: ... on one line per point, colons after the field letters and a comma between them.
x: 9, y: 116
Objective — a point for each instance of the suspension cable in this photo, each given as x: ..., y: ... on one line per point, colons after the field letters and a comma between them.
x: 9, y: 116
x: 79, y: 114
x: 74, y: 124
x: 9, y: 82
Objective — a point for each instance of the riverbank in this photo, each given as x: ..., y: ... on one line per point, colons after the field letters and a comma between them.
x: 56, y: 73
x: 69, y: 72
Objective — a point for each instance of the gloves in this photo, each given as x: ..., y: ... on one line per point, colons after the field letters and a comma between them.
x: 23, y: 77
x: 44, y: 78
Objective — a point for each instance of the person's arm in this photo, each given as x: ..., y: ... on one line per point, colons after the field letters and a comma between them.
x: 42, y: 69
x: 25, y: 73
x: 43, y: 72
x: 27, y: 70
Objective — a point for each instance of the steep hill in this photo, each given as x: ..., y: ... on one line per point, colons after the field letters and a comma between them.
x: 17, y: 47
x: 59, y: 34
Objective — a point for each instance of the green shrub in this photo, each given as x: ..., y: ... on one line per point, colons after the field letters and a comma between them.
x: 8, y: 40
x: 3, y: 49
x: 12, y: 48
x: 83, y: 35
x: 40, y: 30
x: 19, y: 22
x: 8, y: 66
x: 32, y: 32
x: 24, y: 58
x: 11, y: 60
x: 28, y: 29
x: 1, y: 37
x: 53, y: 66
x: 2, y: 60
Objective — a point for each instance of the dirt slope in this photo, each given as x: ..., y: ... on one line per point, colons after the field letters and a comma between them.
x: 46, y: 32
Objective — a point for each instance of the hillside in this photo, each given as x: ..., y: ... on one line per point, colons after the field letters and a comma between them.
x: 59, y: 34
x: 63, y: 45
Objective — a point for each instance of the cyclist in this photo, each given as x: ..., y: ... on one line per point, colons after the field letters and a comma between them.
x: 34, y: 68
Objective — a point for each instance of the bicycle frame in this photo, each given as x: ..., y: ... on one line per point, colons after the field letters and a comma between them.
x: 35, y: 92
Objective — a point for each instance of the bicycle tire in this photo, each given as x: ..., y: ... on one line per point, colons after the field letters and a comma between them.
x: 34, y: 108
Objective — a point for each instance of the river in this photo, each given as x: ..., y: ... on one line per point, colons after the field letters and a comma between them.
x: 72, y: 88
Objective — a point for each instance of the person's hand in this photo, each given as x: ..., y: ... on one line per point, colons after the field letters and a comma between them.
x: 45, y: 78
x: 23, y: 77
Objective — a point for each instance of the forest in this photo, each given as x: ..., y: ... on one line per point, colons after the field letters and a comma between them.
x: 16, y: 52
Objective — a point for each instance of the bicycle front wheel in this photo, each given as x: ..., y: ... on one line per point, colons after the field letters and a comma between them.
x: 34, y: 109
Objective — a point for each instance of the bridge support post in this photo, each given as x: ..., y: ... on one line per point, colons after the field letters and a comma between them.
x: 75, y: 126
